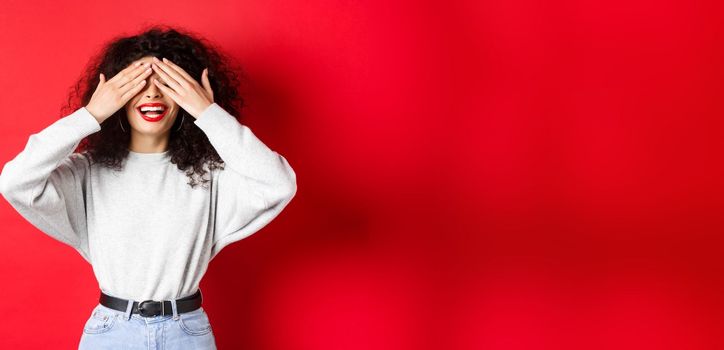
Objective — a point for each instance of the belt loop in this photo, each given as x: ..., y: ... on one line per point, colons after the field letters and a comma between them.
x: 175, y: 312
x: 129, y: 309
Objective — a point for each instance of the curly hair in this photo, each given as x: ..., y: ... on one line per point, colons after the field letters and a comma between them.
x: 189, y: 147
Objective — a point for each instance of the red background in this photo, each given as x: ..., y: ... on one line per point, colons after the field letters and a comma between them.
x: 471, y: 174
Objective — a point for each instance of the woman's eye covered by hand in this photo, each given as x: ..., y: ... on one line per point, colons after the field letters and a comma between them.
x: 178, y: 84
x: 150, y: 80
x: 112, y: 94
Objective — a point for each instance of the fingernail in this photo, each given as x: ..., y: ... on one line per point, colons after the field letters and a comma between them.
x: 165, y: 60
x: 138, y: 64
x: 155, y: 59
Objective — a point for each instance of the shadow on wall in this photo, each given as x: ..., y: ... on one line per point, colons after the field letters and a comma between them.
x: 277, y: 107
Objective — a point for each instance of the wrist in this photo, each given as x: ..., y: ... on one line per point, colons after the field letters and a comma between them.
x: 95, y: 114
x: 202, y: 110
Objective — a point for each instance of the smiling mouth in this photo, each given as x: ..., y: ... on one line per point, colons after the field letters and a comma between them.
x: 152, y: 112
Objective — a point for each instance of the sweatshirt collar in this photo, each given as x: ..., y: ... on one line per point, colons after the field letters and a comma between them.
x: 148, y: 157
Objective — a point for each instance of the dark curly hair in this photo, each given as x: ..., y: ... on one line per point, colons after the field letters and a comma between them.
x: 189, y: 148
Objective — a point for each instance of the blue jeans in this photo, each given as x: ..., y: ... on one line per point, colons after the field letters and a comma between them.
x: 107, y: 328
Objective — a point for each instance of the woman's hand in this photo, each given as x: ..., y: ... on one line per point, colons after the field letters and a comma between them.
x: 113, y: 94
x: 182, y: 88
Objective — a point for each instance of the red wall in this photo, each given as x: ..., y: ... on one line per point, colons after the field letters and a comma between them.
x: 481, y: 175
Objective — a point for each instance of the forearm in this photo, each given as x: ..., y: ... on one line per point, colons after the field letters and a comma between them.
x: 24, y: 176
x: 270, y: 173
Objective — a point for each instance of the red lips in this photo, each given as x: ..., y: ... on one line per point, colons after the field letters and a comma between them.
x: 154, y: 118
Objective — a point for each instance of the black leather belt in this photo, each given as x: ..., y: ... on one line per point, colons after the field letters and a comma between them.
x: 149, y: 308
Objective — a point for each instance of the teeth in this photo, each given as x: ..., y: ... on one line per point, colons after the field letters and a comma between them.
x: 149, y: 109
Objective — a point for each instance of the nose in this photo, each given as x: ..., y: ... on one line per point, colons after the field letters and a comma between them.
x: 152, y: 91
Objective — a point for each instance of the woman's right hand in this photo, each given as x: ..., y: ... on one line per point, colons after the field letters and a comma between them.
x: 113, y: 94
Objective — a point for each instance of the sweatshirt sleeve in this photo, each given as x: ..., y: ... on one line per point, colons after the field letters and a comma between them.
x: 45, y: 181
x: 255, y: 184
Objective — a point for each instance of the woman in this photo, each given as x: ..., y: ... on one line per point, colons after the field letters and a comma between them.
x: 129, y: 201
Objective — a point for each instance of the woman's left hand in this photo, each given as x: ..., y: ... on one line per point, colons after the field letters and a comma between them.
x: 183, y: 88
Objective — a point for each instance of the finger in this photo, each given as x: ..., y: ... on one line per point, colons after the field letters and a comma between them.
x: 99, y: 86
x: 180, y: 80
x: 123, y: 77
x: 124, y: 71
x: 168, y: 91
x: 168, y: 79
x: 137, y: 80
x: 132, y: 92
x: 134, y: 74
x: 101, y: 81
x: 179, y: 70
x: 206, y: 83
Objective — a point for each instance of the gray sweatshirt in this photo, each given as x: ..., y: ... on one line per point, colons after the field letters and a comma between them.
x: 145, y: 231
